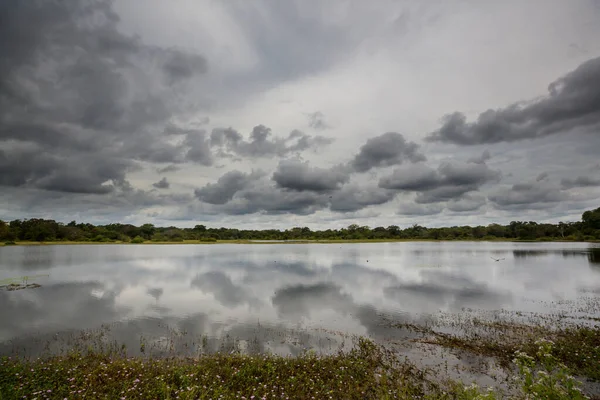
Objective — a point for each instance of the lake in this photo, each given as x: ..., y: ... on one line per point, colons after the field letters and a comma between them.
x: 281, y: 298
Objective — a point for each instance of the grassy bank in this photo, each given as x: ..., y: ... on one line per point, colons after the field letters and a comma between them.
x: 368, y: 371
x: 364, y: 373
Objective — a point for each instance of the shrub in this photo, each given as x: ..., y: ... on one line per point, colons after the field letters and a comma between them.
x: 137, y: 240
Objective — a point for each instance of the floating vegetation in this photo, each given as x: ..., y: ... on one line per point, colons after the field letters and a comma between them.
x: 19, y: 283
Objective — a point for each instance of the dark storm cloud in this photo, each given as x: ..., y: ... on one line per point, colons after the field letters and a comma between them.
x: 82, y: 95
x: 450, y: 181
x: 386, y: 150
x: 162, y: 184
x: 526, y: 195
x: 573, y: 103
x: 226, y: 187
x: 262, y: 143
x: 300, y: 176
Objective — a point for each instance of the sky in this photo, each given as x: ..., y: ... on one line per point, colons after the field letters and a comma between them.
x: 274, y: 114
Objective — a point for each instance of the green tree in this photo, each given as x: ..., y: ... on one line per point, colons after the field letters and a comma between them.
x: 591, y: 219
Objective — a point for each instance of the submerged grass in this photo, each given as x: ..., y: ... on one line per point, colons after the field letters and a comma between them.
x: 577, y: 347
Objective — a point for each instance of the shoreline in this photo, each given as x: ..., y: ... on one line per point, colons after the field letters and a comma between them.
x: 276, y: 241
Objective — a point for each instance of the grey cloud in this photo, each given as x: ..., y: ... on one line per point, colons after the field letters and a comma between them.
x: 306, y: 142
x: 485, y: 156
x: 156, y: 293
x: 271, y: 200
x: 226, y: 187
x: 450, y: 181
x: 198, y: 148
x: 294, y: 39
x: 262, y: 143
x: 162, y: 184
x: 525, y: 195
x: 72, y: 174
x: 316, y: 121
x: 300, y: 176
x: 420, y: 209
x: 417, y: 177
x: 168, y: 168
x: 573, y: 102
x: 180, y: 66
x: 77, y: 90
x: 542, y: 176
x: 468, y: 202
x: 353, y: 198
x: 580, y: 181
x: 386, y: 150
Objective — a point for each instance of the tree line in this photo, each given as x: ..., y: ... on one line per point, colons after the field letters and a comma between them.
x: 46, y: 230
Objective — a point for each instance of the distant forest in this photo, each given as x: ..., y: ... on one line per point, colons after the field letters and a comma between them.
x: 44, y: 230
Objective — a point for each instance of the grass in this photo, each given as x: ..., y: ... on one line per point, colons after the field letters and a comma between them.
x: 577, y: 347
x: 368, y: 371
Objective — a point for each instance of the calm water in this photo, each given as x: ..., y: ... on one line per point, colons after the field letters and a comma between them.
x: 276, y: 297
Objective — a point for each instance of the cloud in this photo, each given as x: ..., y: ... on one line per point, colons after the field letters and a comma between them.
x: 83, y: 96
x: 198, y: 148
x: 420, y: 209
x: 386, y: 150
x: 580, y: 181
x: 168, y: 168
x: 262, y: 144
x: 485, y: 156
x: 180, y: 66
x: 528, y: 195
x: 467, y: 203
x: 162, y: 184
x: 316, y: 121
x: 572, y: 103
x: 263, y: 197
x: 226, y: 187
x: 300, y: 176
x: 542, y: 176
x: 354, y: 197
x: 451, y: 180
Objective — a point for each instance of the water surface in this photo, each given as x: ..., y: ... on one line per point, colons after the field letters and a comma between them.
x: 282, y: 298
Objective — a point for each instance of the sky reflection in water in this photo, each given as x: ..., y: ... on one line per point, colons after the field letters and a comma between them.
x: 277, y: 297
